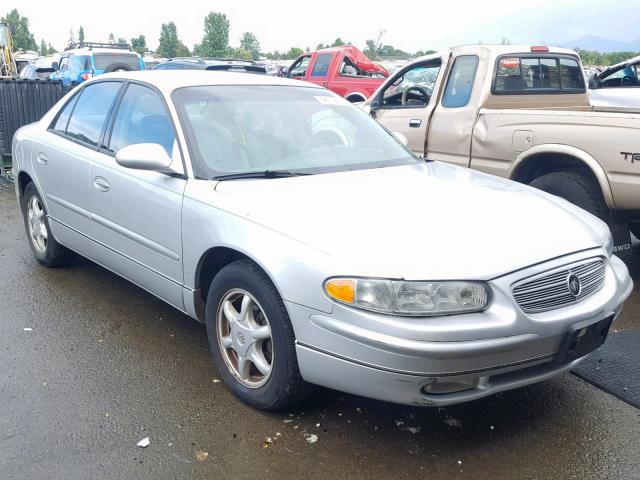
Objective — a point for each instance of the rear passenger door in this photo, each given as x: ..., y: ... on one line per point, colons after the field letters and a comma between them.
x: 62, y: 161
x: 136, y: 213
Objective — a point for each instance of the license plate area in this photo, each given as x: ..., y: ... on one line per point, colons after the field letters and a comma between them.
x: 583, y: 338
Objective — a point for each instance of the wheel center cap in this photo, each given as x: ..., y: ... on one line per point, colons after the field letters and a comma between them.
x: 240, y: 338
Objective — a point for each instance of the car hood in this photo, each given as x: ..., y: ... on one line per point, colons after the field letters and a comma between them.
x: 421, y: 221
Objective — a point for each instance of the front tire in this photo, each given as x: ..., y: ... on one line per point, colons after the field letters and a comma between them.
x: 576, y: 188
x: 251, y: 338
x: 44, y: 246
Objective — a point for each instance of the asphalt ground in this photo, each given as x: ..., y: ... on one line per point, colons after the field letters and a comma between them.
x: 107, y: 364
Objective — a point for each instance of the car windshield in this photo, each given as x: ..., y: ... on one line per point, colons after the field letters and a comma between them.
x: 301, y: 130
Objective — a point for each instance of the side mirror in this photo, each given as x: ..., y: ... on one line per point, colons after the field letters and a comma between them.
x: 401, y: 138
x: 144, y: 156
x: 593, y: 81
x: 55, y: 65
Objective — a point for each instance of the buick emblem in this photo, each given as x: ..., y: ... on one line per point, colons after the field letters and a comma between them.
x: 573, y: 281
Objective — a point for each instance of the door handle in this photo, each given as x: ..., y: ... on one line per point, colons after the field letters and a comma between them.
x: 415, y: 122
x: 101, y: 184
x: 42, y: 158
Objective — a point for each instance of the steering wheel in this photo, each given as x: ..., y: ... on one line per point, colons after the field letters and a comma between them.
x: 331, y: 135
x: 628, y: 81
x: 421, y: 91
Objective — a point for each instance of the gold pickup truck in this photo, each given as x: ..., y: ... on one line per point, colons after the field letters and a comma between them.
x: 521, y: 113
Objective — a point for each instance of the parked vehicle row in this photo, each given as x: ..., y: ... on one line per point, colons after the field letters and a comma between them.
x: 522, y: 113
x: 313, y: 244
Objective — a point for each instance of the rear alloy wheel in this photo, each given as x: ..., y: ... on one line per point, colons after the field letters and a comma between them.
x: 251, y: 338
x: 45, y: 248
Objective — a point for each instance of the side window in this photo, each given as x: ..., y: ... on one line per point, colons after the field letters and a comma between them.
x: 460, y: 83
x: 142, y: 118
x: 60, y: 124
x: 64, y: 63
x: 322, y: 64
x: 413, y: 88
x: 527, y: 74
x: 91, y: 111
x: 299, y: 68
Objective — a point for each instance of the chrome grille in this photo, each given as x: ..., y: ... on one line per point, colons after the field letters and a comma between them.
x: 550, y: 290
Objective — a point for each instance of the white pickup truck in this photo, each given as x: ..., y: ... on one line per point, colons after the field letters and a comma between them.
x: 521, y: 113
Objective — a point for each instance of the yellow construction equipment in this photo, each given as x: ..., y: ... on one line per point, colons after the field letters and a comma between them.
x: 8, y: 66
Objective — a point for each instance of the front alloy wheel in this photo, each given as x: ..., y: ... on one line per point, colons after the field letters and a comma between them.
x: 244, y: 336
x: 252, y: 339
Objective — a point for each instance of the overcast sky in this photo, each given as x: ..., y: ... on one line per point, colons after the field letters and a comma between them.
x: 281, y: 24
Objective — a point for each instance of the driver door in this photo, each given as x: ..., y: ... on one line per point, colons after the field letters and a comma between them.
x: 405, y: 103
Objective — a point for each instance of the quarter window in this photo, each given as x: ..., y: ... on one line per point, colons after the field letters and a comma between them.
x: 321, y: 66
x: 516, y: 75
x: 460, y: 83
x: 142, y: 118
x: 91, y: 110
x: 61, y: 122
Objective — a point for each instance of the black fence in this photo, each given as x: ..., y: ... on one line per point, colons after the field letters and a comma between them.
x: 22, y: 102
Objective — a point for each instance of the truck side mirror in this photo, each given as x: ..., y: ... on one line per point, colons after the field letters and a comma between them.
x: 593, y: 81
x: 55, y: 65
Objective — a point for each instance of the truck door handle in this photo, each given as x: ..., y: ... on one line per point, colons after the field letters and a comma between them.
x: 415, y: 122
x: 101, y: 184
x: 42, y: 158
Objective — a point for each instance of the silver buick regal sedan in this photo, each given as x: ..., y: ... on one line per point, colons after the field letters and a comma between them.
x: 316, y: 248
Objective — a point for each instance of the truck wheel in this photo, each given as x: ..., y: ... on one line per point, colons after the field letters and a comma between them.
x: 251, y: 338
x: 118, y: 67
x: 45, y: 248
x: 576, y: 188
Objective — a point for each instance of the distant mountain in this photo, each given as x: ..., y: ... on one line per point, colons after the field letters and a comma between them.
x: 601, y: 44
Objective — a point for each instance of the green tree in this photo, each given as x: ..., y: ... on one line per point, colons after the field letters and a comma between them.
x: 72, y: 38
x: 250, y: 43
x: 170, y: 45
x: 81, y: 34
x: 215, y: 42
x: 43, y: 48
x: 112, y: 39
x: 371, y: 50
x: 294, y: 52
x: 139, y: 44
x: 241, y: 53
x: 121, y: 40
x: 337, y: 42
x: 51, y: 50
x: 22, y: 38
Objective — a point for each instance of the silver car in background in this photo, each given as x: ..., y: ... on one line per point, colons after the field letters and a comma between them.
x: 316, y: 248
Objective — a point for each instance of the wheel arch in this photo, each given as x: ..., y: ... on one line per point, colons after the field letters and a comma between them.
x: 210, y: 263
x: 354, y: 97
x: 550, y: 158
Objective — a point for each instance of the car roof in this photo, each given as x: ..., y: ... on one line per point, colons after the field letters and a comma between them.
x: 170, y: 80
x: 87, y: 51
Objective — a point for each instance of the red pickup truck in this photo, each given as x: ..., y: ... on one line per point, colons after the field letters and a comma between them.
x: 344, y: 70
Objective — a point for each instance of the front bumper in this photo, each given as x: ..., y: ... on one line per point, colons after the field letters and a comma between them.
x: 448, y: 360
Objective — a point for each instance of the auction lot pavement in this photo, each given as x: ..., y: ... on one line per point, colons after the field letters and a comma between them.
x: 107, y: 364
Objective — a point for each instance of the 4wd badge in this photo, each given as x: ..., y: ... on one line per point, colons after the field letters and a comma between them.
x: 631, y: 157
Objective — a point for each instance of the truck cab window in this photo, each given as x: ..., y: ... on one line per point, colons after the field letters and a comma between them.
x: 460, y: 83
x: 299, y: 68
x: 532, y: 74
x: 322, y: 64
x: 412, y: 88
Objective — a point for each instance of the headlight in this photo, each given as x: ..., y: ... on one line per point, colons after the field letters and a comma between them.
x: 401, y: 297
x: 608, y: 246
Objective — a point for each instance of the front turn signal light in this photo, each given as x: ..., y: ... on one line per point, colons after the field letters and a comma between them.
x: 341, y: 289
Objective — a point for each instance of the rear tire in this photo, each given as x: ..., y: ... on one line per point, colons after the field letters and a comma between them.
x: 283, y: 385
x: 118, y: 67
x: 576, y: 188
x: 44, y: 246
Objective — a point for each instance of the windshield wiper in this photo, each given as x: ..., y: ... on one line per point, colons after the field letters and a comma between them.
x: 261, y: 174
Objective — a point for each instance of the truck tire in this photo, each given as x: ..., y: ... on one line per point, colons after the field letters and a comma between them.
x: 576, y: 188
x: 251, y: 338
